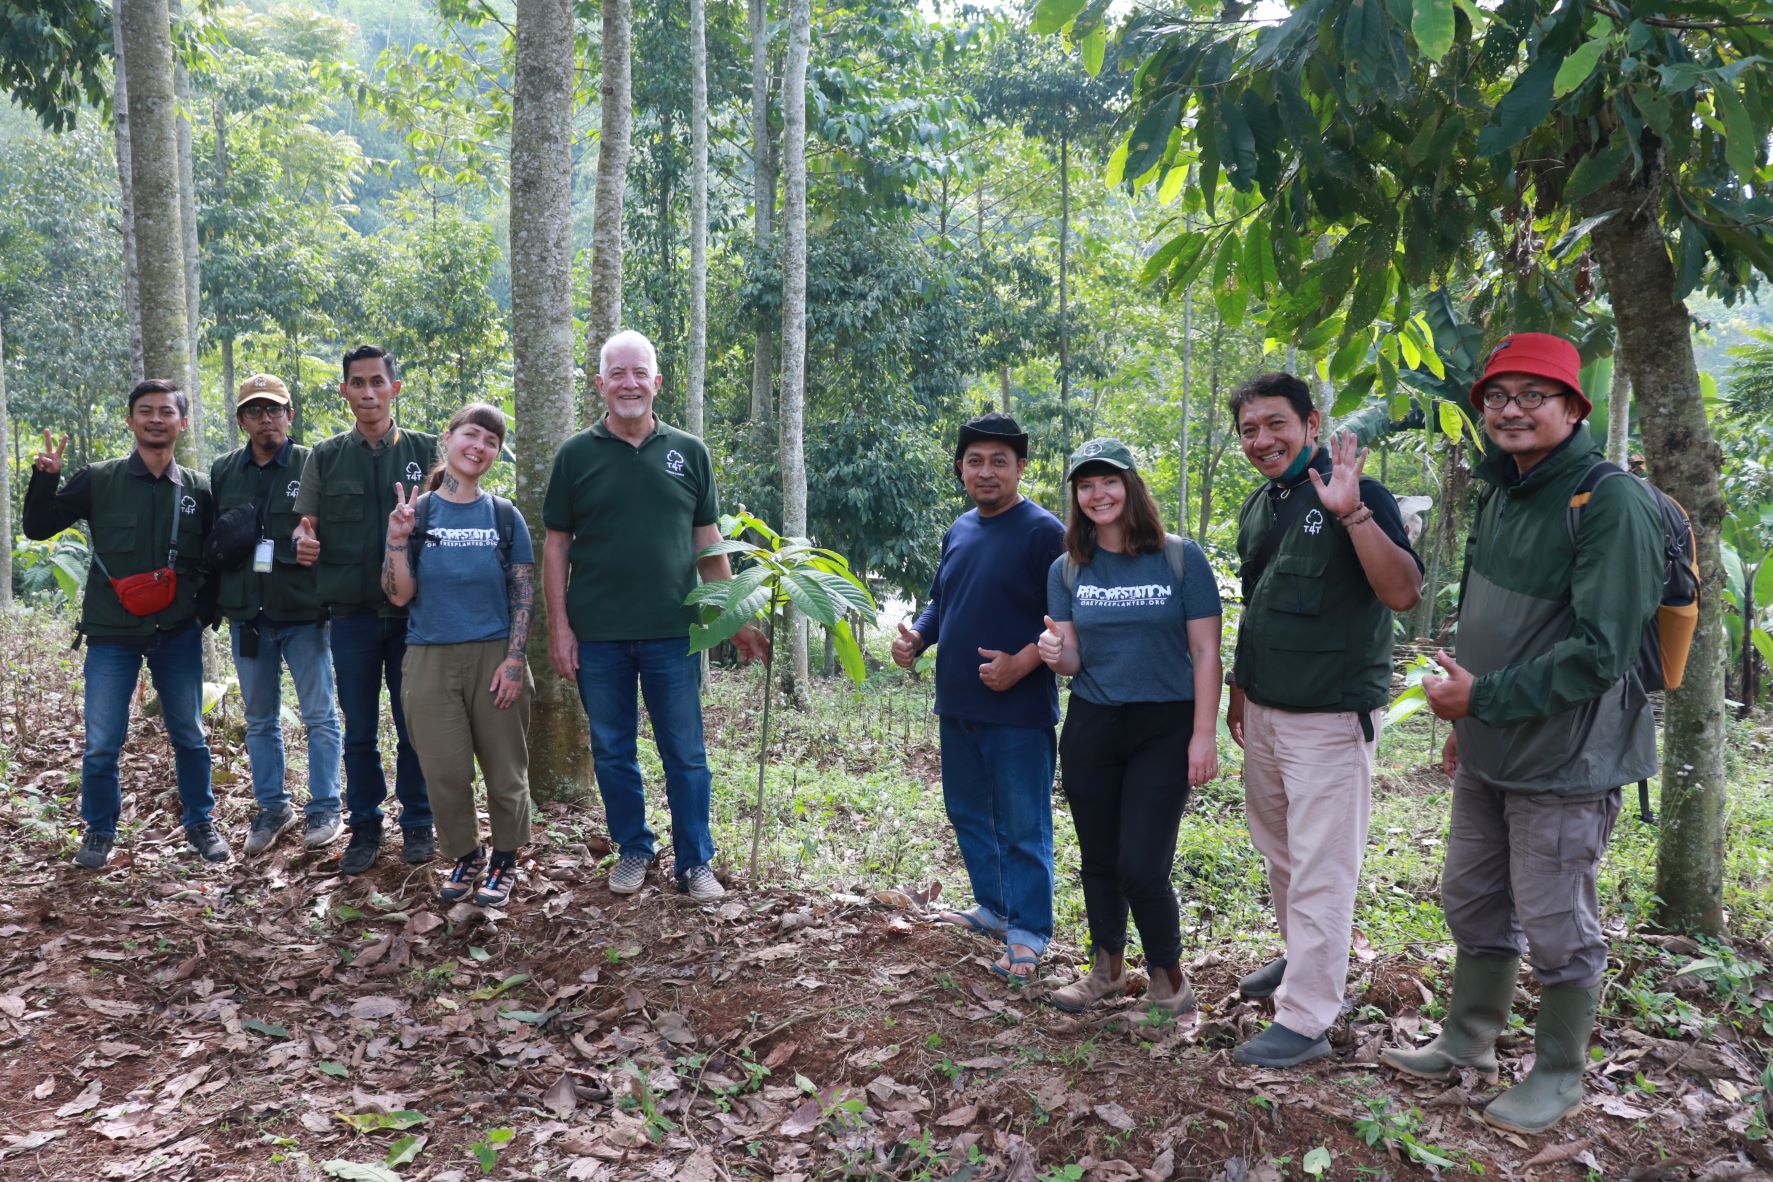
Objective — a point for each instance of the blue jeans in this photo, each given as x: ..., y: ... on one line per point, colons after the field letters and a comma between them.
x: 305, y: 647
x: 366, y: 654
x: 997, y: 782
x: 175, y: 663
x: 670, y: 678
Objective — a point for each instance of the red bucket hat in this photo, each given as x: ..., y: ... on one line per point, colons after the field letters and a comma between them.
x: 1540, y: 354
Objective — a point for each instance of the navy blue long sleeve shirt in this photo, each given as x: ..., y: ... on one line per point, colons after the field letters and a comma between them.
x: 990, y: 591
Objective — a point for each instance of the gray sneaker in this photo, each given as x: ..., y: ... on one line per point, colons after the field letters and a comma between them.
x: 95, y: 851
x: 207, y: 842
x: 701, y: 885
x: 630, y: 873
x: 267, y: 826
x: 322, y: 830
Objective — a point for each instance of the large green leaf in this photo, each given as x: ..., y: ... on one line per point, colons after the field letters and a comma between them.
x: 807, y: 595
x: 844, y: 591
x: 1432, y: 24
x: 1741, y: 145
x: 1763, y: 585
x: 1160, y: 260
x: 1523, y: 108
x: 1091, y: 48
x: 849, y: 654
x: 1151, y: 136
x: 1594, y: 172
x: 1578, y: 66
x: 1258, y: 270
x: 1050, y: 16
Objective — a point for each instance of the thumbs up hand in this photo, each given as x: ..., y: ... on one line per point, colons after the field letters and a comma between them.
x: 906, y: 646
x: 1050, y: 643
x: 1449, y: 696
x: 307, y: 543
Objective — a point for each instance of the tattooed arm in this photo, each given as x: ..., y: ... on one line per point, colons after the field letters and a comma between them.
x: 520, y: 584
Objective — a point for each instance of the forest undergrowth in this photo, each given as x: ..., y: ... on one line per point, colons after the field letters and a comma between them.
x: 270, y: 1019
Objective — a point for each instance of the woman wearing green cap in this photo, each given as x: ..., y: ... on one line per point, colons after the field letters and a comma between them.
x: 1134, y: 620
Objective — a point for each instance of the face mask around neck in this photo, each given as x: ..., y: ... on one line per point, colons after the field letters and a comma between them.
x: 1297, y: 468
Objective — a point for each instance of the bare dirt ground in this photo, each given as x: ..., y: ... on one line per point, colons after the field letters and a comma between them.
x: 270, y: 1020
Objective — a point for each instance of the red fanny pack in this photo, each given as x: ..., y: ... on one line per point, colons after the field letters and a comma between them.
x: 148, y: 593
x: 152, y: 591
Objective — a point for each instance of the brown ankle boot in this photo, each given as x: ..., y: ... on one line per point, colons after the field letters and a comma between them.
x: 1086, y: 991
x: 1174, y: 1000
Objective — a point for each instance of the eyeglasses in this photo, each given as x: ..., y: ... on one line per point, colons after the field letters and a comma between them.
x: 262, y: 410
x: 1526, y: 399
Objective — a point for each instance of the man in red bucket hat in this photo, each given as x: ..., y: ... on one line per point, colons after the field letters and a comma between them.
x: 1548, y: 721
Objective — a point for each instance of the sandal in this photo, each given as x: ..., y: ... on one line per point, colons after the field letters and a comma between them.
x: 1019, y: 980
x: 970, y: 920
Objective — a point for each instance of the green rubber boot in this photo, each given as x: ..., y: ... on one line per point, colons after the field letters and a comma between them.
x: 1553, y: 1089
x: 1483, y: 987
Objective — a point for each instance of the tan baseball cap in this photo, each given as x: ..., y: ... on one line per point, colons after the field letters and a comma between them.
x: 263, y: 387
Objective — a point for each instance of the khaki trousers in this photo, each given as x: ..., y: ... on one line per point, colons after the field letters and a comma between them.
x: 452, y: 720
x: 1308, y: 789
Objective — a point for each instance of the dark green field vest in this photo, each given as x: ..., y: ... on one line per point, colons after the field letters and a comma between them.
x: 1314, y: 637
x: 131, y: 530
x: 356, y: 495
x: 289, y: 594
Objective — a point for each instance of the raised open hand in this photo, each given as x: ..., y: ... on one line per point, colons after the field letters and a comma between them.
x: 400, y: 521
x: 1341, y: 493
x: 50, y: 458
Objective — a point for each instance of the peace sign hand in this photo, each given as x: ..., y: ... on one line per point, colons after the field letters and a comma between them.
x: 400, y: 522
x: 50, y: 458
x: 1341, y: 493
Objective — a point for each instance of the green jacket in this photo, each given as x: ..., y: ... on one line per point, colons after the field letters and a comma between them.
x: 1550, y: 630
x: 1314, y: 637
x: 352, y: 486
x: 131, y: 522
x: 290, y: 593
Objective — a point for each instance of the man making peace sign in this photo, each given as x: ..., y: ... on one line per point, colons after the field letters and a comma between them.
x: 149, y: 518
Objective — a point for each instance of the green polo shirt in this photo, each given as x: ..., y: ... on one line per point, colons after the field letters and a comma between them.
x: 631, y: 512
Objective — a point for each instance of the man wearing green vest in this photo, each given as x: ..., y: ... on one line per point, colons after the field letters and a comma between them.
x: 149, y: 519
x: 273, y: 608
x: 1325, y: 563
x: 347, y: 492
x: 1548, y: 721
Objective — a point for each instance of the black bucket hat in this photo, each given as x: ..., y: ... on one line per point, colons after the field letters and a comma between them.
x: 995, y: 427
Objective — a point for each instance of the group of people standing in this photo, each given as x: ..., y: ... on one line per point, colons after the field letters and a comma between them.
x: 375, y: 559
x: 1549, y: 716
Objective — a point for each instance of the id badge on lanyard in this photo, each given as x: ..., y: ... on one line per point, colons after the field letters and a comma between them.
x: 261, y: 556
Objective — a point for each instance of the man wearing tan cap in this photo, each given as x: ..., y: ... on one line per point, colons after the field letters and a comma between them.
x: 273, y: 611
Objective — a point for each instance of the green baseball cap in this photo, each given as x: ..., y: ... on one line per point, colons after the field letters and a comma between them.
x: 1107, y: 450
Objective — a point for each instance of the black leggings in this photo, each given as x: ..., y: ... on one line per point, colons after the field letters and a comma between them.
x: 1126, y: 777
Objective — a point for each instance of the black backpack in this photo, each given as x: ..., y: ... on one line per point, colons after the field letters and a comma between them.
x: 504, y: 519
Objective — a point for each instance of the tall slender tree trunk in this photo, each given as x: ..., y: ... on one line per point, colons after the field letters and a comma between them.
x: 132, y: 300
x: 793, y: 416
x: 542, y: 344
x: 192, y: 440
x: 763, y: 208
x: 1187, y: 385
x: 225, y: 405
x: 5, y: 479
x: 696, y: 379
x: 1685, y: 460
x: 1064, y: 297
x: 605, y: 315
x: 154, y: 176
x: 1619, y: 412
x: 1207, y: 469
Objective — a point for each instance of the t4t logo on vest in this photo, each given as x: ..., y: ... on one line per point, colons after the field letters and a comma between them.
x: 188, y: 505
x: 1314, y: 521
x: 674, y: 463
x: 294, y: 489
x: 414, y: 473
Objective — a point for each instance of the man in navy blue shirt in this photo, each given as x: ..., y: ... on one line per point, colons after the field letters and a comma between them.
x: 997, y: 702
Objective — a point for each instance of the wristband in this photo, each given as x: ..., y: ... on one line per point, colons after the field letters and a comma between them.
x: 1356, y: 516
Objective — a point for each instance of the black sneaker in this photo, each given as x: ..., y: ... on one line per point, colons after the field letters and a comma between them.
x: 360, y: 854
x: 267, y: 826
x: 496, y: 890
x: 207, y: 842
x: 463, y: 879
x: 417, y: 846
x: 95, y: 851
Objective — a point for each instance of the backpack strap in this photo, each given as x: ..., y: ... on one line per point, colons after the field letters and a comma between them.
x: 1068, y: 568
x: 505, y: 520
x: 1591, y: 480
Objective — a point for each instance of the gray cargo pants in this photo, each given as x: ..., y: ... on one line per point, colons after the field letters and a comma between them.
x: 1520, y: 877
